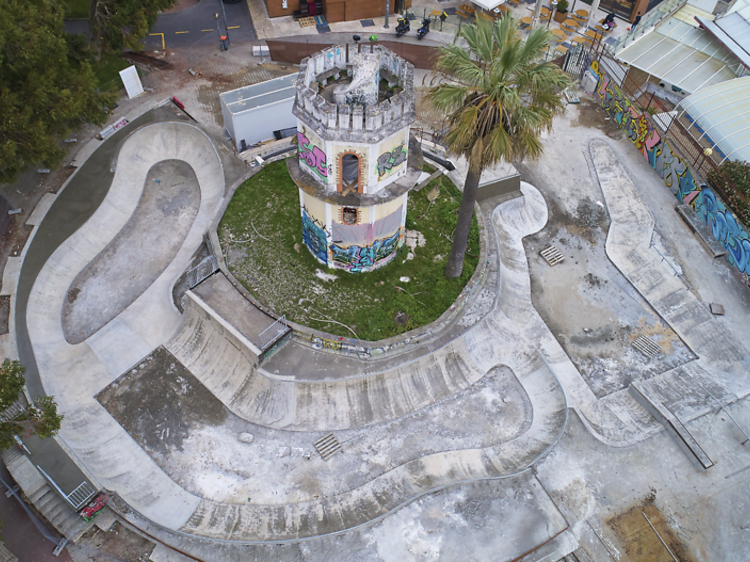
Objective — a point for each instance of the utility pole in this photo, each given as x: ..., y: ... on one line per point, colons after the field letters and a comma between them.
x: 387, y: 9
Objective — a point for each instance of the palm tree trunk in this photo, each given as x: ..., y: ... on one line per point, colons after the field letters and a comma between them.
x: 456, y: 259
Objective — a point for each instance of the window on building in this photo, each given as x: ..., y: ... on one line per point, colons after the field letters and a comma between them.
x: 350, y: 173
x: 349, y: 215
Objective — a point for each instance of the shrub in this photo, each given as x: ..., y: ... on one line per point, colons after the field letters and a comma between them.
x: 562, y: 6
x: 732, y: 181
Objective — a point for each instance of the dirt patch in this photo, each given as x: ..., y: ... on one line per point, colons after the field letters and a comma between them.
x: 119, y: 544
x: 592, y: 115
x: 637, y: 529
x: 159, y: 401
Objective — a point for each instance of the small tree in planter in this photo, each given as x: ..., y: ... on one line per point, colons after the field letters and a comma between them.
x: 561, y: 14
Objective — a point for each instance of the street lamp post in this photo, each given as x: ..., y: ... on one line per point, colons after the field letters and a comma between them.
x: 218, y: 29
x: 387, y: 9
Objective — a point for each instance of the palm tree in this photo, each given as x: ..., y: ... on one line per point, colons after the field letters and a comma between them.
x: 499, y: 98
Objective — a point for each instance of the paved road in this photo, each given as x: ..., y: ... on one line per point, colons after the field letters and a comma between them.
x: 197, y: 26
x: 193, y: 27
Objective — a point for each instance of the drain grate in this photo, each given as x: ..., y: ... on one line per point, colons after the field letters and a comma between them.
x: 552, y: 254
x: 647, y: 346
x: 327, y: 446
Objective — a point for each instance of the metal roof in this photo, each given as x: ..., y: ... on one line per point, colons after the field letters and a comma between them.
x: 733, y: 31
x: 685, y: 56
x: 258, y: 95
x: 721, y: 115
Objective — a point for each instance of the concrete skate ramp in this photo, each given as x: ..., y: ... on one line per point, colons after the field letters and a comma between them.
x: 139, y: 253
x: 289, y: 521
x: 75, y: 373
x: 228, y: 369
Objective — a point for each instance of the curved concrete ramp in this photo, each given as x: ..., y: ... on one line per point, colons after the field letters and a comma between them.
x: 75, y: 373
x: 261, y: 523
x: 230, y: 372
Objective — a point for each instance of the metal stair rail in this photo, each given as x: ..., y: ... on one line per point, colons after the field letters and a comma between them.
x: 273, y: 332
x: 78, y: 497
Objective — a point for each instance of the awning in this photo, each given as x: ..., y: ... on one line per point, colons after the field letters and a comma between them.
x: 720, y: 116
x: 488, y: 4
x: 684, y: 56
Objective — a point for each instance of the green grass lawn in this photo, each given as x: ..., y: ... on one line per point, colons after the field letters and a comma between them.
x: 107, y: 70
x: 277, y: 268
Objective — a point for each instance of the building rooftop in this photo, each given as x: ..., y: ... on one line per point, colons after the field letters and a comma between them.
x: 258, y: 95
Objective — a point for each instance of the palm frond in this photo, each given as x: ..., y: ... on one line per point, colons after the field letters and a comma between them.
x: 498, y: 95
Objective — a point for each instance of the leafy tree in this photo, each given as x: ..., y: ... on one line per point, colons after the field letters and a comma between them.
x: 45, y: 89
x: 39, y: 418
x: 499, y: 98
x: 114, y: 24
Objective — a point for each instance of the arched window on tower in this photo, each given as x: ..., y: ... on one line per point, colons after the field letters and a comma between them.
x: 349, y: 173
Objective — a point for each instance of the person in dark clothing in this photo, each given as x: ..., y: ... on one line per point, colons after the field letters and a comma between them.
x: 609, y: 21
x: 635, y: 21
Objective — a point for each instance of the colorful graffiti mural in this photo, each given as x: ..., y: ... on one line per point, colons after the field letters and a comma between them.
x: 312, y: 155
x: 390, y: 160
x: 314, y: 236
x: 675, y: 172
x: 638, y: 126
x: 356, y: 259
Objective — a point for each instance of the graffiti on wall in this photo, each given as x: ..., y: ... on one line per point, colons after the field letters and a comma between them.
x: 390, y: 160
x: 314, y: 236
x: 676, y: 173
x: 312, y: 155
x: 639, y: 128
x: 356, y: 259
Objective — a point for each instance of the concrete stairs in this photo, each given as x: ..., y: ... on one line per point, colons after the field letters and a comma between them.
x: 44, y: 498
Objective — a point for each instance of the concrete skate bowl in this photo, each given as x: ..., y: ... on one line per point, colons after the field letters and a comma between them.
x: 140, y: 252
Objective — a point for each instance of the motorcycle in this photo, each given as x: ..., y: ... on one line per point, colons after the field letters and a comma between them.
x: 402, y: 27
x: 424, y: 30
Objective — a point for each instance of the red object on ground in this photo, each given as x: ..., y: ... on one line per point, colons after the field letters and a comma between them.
x: 94, y: 507
x: 178, y: 102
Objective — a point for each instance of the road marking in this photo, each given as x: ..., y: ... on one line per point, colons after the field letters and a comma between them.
x: 178, y: 32
x: 207, y: 29
x: 234, y: 27
x: 162, y: 39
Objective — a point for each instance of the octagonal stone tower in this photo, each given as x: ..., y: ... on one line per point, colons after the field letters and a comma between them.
x: 356, y: 158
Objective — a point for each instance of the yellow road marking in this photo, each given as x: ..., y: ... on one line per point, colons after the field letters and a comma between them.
x: 207, y: 29
x: 234, y: 27
x: 162, y: 39
x: 178, y: 32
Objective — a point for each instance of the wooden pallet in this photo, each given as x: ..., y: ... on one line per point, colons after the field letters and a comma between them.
x: 327, y: 446
x: 552, y: 255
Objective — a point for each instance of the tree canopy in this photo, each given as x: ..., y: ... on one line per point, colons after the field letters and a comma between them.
x: 499, y: 97
x: 46, y: 89
x: 39, y: 418
x: 114, y: 24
